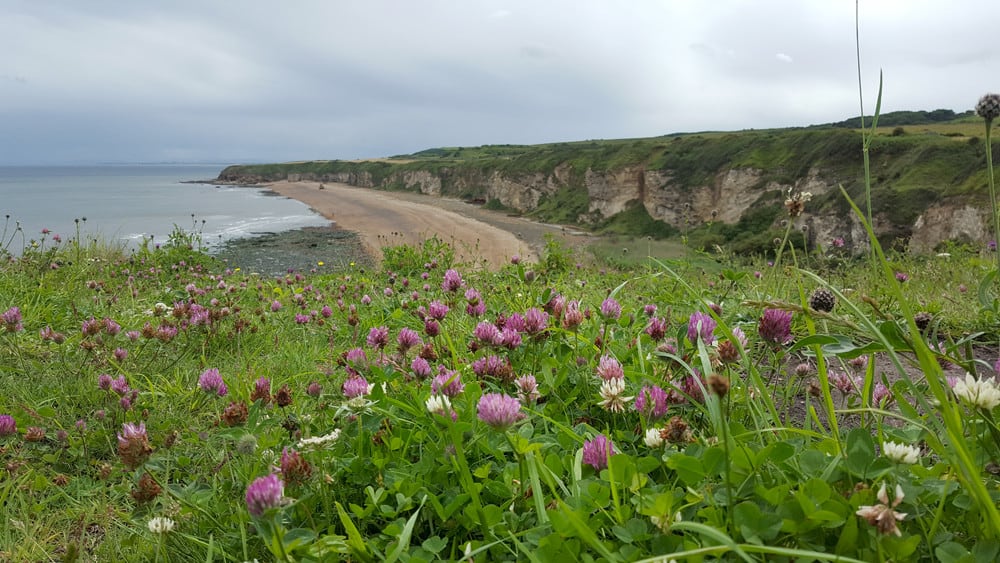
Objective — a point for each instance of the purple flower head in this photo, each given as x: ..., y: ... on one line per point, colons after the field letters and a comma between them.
x: 476, y: 310
x: 838, y: 242
x: 535, y: 321
x: 516, y: 322
x: 264, y: 494
x: 452, y: 281
x: 447, y: 382
x: 120, y: 354
x: 572, y: 315
x: 111, y: 327
x: 472, y: 296
x: 119, y: 386
x: 8, y: 426
x: 657, y: 329
x: 487, y: 333
x: 902, y: 276
x: 211, y: 382
x: 881, y: 395
x: 527, y: 389
x: 314, y: 389
x: 275, y: 306
x: 701, y: 325
x: 407, y: 338
x: 326, y: 312
x: 104, y: 382
x: 493, y: 366
x: 437, y: 310
x: 366, y: 299
x: 355, y: 386
x: 301, y: 319
x: 378, y: 337
x: 431, y: 328
x: 649, y: 309
x: 421, y: 368
x: 611, y: 309
x: 510, y: 338
x: 11, y: 319
x: 498, y: 410
x: 609, y: 368
x: 775, y: 326
x: 597, y: 452
x: 652, y: 400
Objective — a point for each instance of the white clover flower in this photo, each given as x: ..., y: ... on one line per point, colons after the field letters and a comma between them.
x: 901, y: 453
x: 317, y: 442
x: 883, y: 515
x: 438, y: 404
x: 653, y: 439
x: 982, y: 393
x: 612, y: 393
x: 160, y: 525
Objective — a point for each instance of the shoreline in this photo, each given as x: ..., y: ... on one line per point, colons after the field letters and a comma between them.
x: 381, y: 218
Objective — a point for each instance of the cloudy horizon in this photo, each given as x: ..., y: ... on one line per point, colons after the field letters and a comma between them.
x: 188, y: 81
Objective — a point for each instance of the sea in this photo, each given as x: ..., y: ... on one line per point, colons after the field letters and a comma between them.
x: 129, y: 203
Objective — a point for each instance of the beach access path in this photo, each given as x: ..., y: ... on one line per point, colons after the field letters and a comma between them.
x: 393, y: 218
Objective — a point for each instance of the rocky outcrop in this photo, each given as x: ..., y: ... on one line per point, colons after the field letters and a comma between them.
x: 949, y: 221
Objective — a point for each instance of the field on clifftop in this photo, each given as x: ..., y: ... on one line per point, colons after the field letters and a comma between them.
x: 163, y: 406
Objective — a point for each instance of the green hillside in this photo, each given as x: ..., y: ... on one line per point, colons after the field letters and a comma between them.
x: 917, y: 158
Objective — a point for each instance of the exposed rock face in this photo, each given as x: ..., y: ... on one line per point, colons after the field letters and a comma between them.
x: 730, y: 194
x: 948, y: 221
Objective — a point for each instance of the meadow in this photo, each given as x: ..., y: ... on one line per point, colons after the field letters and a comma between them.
x: 805, y: 405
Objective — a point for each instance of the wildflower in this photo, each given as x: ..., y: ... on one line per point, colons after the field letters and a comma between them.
x: 652, y: 401
x: 597, y: 452
x: 120, y: 354
x: 8, y: 426
x: 34, y: 434
x: 437, y: 310
x: 838, y: 242
x: 147, y: 489
x: 718, y: 385
x: 902, y: 277
x: 440, y: 405
x: 356, y: 386
x: 980, y: 393
x: 796, y: 203
x: 527, y: 389
x: 535, y: 321
x: 822, y: 299
x: 901, y: 453
x: 133, y: 445
x: 421, y: 368
x: 498, y: 410
x: 493, y: 366
x: 572, y: 315
x: 988, y: 107
x: 261, y: 390
x: 487, y: 333
x: 366, y: 299
x: 452, y: 281
x: 883, y: 516
x: 843, y: 382
x: 309, y: 444
x: 264, y: 494
x: 431, y: 328
x: 378, y: 337
x: 701, y: 325
x: 11, y: 320
x: 610, y: 368
x: 653, y: 438
x: 677, y: 431
x: 775, y: 326
x: 649, y: 309
x: 160, y: 525
x: 407, y: 338
x: 211, y: 382
x: 447, y: 382
x: 283, y: 397
x: 657, y: 329
x: 294, y: 468
x: 246, y: 444
x: 613, y: 397
x: 314, y: 389
x: 610, y: 309
x: 881, y: 395
x: 235, y: 413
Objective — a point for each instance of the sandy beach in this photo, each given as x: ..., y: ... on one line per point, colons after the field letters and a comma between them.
x: 391, y: 218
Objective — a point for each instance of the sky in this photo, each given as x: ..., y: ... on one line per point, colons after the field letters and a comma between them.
x: 264, y: 81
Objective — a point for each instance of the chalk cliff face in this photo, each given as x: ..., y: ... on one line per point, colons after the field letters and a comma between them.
x: 725, y: 198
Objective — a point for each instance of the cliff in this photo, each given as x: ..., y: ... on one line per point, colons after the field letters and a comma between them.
x: 714, y: 188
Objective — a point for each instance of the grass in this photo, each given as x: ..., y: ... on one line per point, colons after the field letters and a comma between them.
x: 736, y: 453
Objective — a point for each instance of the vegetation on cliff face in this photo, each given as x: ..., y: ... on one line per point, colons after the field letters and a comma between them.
x: 658, y: 185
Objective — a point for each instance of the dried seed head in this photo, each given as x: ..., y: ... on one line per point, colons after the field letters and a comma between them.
x: 989, y: 107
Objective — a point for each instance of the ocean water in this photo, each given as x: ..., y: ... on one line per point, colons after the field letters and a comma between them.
x: 128, y: 203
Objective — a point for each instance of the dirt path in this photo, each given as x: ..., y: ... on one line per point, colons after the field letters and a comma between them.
x: 391, y: 218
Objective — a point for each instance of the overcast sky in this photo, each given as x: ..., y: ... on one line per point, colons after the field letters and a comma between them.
x: 255, y: 80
